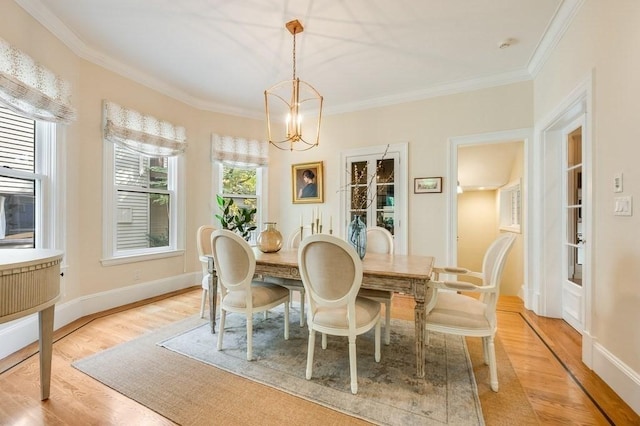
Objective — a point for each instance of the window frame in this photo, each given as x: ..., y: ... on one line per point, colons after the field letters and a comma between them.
x: 49, y: 178
x: 175, y: 186
x: 261, y: 199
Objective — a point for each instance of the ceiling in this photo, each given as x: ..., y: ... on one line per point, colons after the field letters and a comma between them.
x: 220, y: 55
x: 487, y: 166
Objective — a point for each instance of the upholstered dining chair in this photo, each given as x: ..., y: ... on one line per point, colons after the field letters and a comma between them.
x: 379, y: 240
x: 453, y: 312
x: 331, y: 273
x: 235, y: 265
x: 203, y: 238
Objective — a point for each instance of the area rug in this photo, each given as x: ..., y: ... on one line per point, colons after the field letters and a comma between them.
x: 388, y: 392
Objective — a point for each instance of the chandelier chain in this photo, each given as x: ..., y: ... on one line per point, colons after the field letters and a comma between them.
x: 294, y: 55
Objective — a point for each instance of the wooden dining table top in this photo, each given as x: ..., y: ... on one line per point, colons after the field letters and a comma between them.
x: 390, y: 265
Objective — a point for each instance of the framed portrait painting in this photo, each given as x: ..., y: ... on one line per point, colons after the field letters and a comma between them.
x: 427, y: 185
x: 307, y: 183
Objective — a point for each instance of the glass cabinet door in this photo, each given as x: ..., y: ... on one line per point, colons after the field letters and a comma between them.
x: 372, y: 190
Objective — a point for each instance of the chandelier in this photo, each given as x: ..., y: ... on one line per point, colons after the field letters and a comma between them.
x: 294, y: 109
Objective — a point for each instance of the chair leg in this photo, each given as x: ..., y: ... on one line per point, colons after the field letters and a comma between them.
x: 324, y: 341
x: 485, y: 350
x: 493, y: 369
x: 387, y: 324
x: 286, y: 321
x: 377, y: 341
x: 223, y: 316
x: 203, y: 302
x: 302, y: 302
x: 250, y: 336
x: 353, y: 368
x: 310, y: 347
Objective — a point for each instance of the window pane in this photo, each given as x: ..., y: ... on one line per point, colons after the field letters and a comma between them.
x: 384, y: 171
x: 17, y: 213
x: 143, y: 220
x: 359, y: 172
x: 238, y: 180
x: 158, y: 173
x: 133, y: 169
x: 17, y: 141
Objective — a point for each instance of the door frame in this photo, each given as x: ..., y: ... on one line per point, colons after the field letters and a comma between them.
x: 526, y: 136
x: 545, y: 291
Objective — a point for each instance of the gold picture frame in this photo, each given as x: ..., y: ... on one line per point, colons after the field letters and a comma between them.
x: 307, y: 183
x: 426, y: 185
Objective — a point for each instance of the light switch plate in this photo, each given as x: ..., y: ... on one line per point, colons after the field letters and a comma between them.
x: 622, y: 206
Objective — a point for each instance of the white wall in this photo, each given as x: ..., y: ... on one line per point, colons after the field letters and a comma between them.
x: 427, y: 126
x: 603, y: 42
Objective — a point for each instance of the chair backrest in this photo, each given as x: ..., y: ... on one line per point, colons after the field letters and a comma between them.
x: 331, y: 272
x: 494, y: 259
x: 379, y: 240
x: 294, y: 238
x: 234, y: 261
x: 204, y: 239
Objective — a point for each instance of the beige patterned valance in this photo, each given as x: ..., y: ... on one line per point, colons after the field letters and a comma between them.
x: 239, y: 150
x: 142, y: 133
x: 31, y: 89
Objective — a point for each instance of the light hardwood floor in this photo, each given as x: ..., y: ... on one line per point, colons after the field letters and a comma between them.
x: 545, y: 354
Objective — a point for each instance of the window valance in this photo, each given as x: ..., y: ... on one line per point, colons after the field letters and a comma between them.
x: 239, y: 150
x: 142, y: 133
x: 32, y: 89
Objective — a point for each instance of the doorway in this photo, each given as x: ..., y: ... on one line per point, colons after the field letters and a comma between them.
x: 562, y: 286
x: 484, y: 165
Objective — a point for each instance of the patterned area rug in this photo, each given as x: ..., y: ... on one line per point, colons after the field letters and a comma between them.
x: 388, y: 392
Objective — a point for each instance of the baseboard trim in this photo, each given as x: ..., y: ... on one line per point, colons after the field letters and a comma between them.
x: 622, y: 379
x: 17, y: 334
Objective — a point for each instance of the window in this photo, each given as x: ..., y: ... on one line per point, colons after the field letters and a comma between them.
x: 143, y: 199
x: 243, y: 184
x: 240, y: 173
x: 27, y: 176
x: 143, y: 186
x: 510, y: 207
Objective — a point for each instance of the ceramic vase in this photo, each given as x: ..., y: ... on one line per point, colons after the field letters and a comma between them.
x: 270, y: 239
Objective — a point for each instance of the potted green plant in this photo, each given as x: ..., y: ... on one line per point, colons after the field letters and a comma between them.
x: 235, y: 218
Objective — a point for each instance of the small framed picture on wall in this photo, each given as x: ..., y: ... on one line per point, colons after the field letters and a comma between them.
x: 426, y: 185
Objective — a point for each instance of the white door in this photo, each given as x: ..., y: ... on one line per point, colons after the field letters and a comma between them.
x: 573, y: 220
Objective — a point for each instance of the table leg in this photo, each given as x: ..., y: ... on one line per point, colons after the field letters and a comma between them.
x: 213, y: 293
x: 421, y: 333
x: 45, y: 318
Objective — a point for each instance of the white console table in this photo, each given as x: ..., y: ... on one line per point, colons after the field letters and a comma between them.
x: 29, y: 283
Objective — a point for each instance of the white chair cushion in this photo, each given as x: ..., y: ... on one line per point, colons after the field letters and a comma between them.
x: 262, y: 293
x: 366, y: 311
x: 457, y: 310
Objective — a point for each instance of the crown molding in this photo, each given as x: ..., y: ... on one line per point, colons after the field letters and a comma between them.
x: 553, y: 34
x: 444, y: 89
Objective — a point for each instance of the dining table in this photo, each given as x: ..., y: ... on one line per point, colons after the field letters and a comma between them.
x: 408, y: 274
